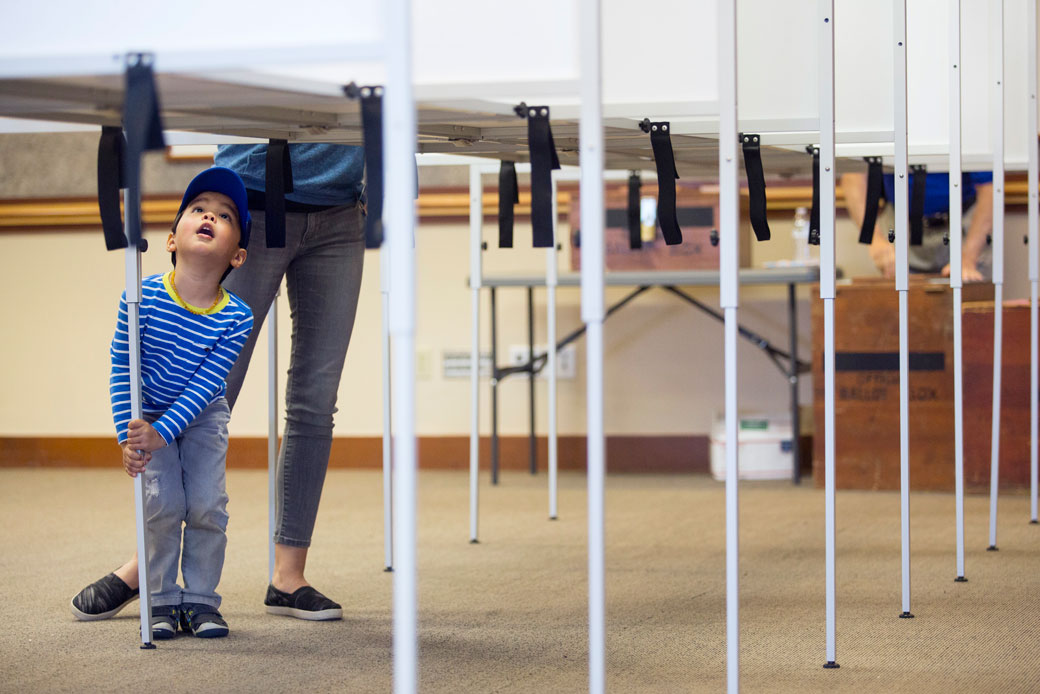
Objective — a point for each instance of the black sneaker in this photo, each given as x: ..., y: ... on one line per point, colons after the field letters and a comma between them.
x: 202, y: 620
x: 305, y: 603
x: 102, y: 599
x: 164, y: 621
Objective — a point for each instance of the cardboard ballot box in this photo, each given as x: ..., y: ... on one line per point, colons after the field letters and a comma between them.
x: 697, y: 214
x: 867, y: 386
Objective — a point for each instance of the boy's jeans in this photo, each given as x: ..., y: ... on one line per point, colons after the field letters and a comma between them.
x: 184, y: 485
x: 322, y: 261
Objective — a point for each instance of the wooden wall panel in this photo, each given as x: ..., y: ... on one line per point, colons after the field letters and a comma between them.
x: 625, y: 454
x: 867, y: 386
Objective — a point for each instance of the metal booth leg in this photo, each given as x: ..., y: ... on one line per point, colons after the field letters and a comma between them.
x: 792, y: 316
x: 494, y: 388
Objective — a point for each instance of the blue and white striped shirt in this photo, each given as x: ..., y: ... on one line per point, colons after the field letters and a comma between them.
x: 185, y: 356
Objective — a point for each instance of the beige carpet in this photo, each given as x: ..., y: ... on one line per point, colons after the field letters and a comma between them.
x: 509, y: 614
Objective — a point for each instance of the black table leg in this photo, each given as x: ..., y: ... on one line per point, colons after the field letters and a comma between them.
x: 792, y: 316
x: 530, y: 365
x: 494, y: 390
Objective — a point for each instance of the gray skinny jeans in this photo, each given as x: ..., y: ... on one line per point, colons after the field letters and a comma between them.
x: 322, y: 263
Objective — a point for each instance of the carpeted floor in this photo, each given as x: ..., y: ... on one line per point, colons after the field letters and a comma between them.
x: 509, y: 614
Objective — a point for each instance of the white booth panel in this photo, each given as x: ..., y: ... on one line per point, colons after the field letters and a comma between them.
x: 50, y: 29
x: 480, y: 41
x: 927, y: 74
x: 976, y: 138
x: 478, y: 57
x: 863, y: 51
x: 978, y: 82
x: 863, y: 69
x: 664, y: 51
x: 777, y: 77
x: 1016, y: 85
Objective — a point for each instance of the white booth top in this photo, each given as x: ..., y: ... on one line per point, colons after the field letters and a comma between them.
x: 251, y: 68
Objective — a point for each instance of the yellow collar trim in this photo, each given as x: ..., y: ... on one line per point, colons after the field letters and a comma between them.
x: 218, y: 305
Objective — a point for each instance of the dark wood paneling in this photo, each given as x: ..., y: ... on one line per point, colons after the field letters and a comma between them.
x: 662, y: 454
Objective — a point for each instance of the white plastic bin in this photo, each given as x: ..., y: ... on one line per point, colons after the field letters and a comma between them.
x: 764, y: 447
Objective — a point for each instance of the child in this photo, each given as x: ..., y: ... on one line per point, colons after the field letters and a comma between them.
x: 192, y: 330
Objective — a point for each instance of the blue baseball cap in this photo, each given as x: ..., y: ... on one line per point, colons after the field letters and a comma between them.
x: 219, y: 179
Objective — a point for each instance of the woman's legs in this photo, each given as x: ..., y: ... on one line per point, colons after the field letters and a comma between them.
x: 323, y: 282
x: 128, y: 572
x: 257, y: 283
x: 289, y: 563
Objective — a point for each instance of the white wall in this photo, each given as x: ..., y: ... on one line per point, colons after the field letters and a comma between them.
x: 663, y: 358
x: 663, y: 375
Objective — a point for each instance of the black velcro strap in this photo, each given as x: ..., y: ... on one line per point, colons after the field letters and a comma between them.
x: 110, y: 181
x: 875, y: 189
x: 144, y: 132
x: 661, y: 141
x: 508, y: 195
x: 756, y: 180
x: 635, y: 237
x: 372, y: 123
x: 814, y: 216
x: 543, y: 161
x: 919, y: 174
x: 277, y: 182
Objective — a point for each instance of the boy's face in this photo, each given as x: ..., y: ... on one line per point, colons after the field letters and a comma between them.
x: 209, y: 230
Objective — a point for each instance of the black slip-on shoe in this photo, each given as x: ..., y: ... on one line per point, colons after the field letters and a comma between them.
x: 204, y: 621
x: 102, y: 599
x: 305, y: 603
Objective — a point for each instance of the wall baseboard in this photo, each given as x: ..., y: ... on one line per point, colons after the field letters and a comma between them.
x: 633, y: 454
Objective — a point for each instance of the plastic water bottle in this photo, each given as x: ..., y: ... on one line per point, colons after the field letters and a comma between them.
x: 800, y: 234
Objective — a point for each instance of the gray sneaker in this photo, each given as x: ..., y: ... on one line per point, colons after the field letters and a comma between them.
x: 203, y: 621
x: 164, y: 621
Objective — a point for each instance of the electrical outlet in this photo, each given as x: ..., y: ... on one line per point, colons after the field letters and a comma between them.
x: 456, y: 364
x: 567, y: 363
x: 424, y: 366
x: 566, y: 360
x: 519, y: 355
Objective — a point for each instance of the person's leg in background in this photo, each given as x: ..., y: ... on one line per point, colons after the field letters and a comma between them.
x: 257, y: 283
x: 323, y: 282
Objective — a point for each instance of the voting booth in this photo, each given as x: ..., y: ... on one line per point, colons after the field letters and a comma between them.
x: 704, y: 88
